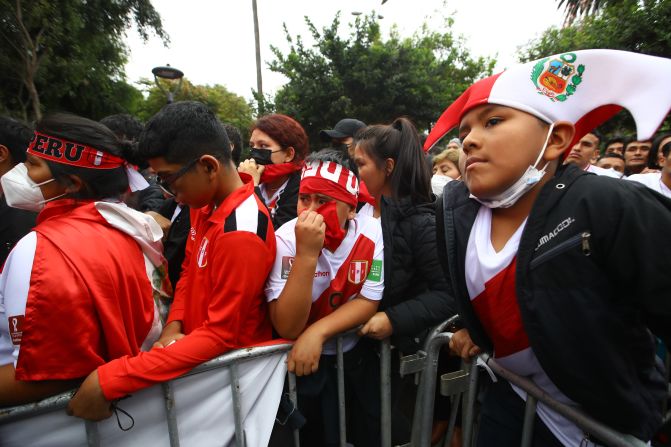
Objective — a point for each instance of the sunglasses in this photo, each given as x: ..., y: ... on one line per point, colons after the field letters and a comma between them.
x: 166, y: 183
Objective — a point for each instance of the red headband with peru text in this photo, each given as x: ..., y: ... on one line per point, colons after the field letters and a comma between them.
x: 330, y: 179
x: 70, y: 153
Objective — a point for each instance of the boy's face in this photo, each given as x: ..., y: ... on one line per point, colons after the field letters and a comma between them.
x: 583, y: 151
x: 499, y: 144
x: 311, y: 202
x: 189, y: 183
x: 611, y: 162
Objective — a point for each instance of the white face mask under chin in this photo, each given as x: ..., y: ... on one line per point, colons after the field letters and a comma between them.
x: 528, y: 180
x: 22, y: 192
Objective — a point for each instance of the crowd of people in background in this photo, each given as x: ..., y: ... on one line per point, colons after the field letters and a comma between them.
x: 104, y: 223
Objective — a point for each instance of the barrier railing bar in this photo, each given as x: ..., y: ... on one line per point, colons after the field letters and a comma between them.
x: 605, y: 434
x: 237, y: 405
x: 293, y: 397
x: 528, y: 427
x: 385, y: 392
x: 454, y: 408
x: 170, y: 413
x: 342, y: 416
x: 469, y: 410
x: 241, y: 354
x: 92, y: 434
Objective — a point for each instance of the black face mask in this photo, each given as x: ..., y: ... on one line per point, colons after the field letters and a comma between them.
x: 262, y: 156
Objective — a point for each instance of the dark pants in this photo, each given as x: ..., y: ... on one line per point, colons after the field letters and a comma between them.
x: 318, y: 399
x: 502, y: 418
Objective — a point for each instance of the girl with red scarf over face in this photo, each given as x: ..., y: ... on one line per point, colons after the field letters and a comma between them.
x: 76, y: 291
x: 278, y: 145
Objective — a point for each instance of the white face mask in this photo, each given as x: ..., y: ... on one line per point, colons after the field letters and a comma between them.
x: 528, y: 180
x: 438, y: 182
x: 22, y: 192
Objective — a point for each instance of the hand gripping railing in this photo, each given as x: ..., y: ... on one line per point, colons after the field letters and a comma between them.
x: 229, y: 360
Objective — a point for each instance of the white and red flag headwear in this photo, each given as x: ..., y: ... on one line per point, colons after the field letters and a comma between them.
x: 331, y: 179
x: 585, y: 87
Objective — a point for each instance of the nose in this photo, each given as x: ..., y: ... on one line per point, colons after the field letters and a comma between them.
x: 470, y: 141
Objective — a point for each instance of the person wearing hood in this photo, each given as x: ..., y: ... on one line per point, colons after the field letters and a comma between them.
x: 78, y: 290
x: 278, y: 145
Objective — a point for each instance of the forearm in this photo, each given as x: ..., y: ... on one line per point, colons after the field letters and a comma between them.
x: 18, y: 392
x: 289, y: 313
x: 348, y: 316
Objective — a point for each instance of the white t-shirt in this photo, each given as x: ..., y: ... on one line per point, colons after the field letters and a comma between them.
x: 490, y: 280
x: 601, y: 171
x: 366, y: 210
x: 338, y: 273
x: 652, y: 180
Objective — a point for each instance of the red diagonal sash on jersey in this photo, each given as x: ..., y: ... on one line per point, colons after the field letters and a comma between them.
x: 499, y: 313
x: 348, y: 280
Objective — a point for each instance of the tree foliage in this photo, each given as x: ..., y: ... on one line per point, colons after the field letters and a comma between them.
x: 69, y: 54
x: 229, y: 107
x: 629, y: 25
x: 367, y: 77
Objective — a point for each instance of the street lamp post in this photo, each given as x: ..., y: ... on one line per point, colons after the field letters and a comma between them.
x: 259, y: 83
x: 169, y: 73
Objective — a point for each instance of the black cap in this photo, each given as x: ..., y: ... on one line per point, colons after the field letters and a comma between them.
x: 345, y: 128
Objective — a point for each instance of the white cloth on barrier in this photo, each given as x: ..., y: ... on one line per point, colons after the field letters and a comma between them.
x: 203, y: 404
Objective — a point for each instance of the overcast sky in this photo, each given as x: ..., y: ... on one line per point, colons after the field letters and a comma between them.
x: 212, y: 41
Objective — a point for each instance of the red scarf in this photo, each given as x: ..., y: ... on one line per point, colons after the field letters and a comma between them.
x: 334, y: 232
x: 274, y: 172
x: 364, y: 195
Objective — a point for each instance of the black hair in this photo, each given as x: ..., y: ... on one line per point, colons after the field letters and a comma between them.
x: 235, y: 138
x: 654, y: 150
x: 611, y: 155
x: 335, y: 156
x: 183, y: 131
x: 616, y: 139
x: 97, y: 183
x: 399, y: 141
x: 124, y: 126
x: 15, y: 136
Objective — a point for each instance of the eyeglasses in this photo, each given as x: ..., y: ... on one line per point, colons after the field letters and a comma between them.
x: 166, y: 183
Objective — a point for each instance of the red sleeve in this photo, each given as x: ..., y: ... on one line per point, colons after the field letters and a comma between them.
x: 177, y: 306
x: 243, y: 263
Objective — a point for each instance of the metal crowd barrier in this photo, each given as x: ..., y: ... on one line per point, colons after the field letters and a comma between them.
x: 463, y: 385
x: 229, y: 360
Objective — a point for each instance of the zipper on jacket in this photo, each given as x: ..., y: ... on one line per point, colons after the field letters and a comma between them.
x: 581, y: 239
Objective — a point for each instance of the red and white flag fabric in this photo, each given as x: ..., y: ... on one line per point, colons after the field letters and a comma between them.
x: 585, y: 87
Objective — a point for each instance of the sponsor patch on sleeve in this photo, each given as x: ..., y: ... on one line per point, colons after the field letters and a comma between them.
x: 287, y: 262
x: 16, y: 329
x: 375, y: 273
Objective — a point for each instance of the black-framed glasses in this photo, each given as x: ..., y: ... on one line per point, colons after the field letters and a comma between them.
x: 166, y: 183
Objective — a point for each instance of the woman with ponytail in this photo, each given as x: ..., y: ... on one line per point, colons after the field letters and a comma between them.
x: 77, y: 291
x: 278, y: 145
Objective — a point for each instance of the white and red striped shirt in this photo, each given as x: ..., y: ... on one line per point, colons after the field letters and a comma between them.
x: 354, y: 268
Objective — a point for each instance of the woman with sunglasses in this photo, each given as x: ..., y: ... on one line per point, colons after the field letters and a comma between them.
x: 77, y: 291
x: 278, y: 145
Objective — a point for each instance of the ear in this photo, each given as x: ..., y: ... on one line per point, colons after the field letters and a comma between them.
x: 290, y: 154
x: 74, y: 184
x: 210, y: 164
x: 352, y: 213
x: 560, y: 140
x: 4, y: 154
x: 389, y: 164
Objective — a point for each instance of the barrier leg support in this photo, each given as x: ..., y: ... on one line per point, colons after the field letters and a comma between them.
x: 342, y: 416
x: 385, y: 392
x: 237, y: 406
x: 170, y: 413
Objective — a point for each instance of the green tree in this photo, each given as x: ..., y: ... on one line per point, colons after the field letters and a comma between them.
x: 228, y: 106
x: 372, y: 79
x: 69, y: 55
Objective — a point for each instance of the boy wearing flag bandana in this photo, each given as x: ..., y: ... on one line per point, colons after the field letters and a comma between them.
x: 327, y: 279
x: 538, y: 279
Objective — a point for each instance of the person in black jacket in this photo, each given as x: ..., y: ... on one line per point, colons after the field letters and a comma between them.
x: 538, y: 279
x: 279, y: 145
x: 391, y: 163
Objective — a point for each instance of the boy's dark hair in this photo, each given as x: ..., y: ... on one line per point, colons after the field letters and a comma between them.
x: 399, y: 141
x: 655, y: 149
x: 235, y: 138
x: 611, y: 155
x: 97, y: 183
x: 124, y: 126
x: 616, y: 139
x: 335, y: 156
x: 15, y: 136
x: 286, y: 131
x: 183, y: 131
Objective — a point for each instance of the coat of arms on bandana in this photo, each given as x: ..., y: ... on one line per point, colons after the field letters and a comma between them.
x: 557, y: 77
